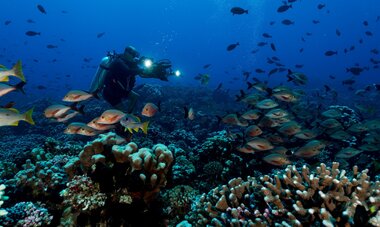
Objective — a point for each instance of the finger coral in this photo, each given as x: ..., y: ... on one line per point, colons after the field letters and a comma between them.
x: 324, y: 196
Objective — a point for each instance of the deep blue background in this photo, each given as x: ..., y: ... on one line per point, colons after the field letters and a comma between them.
x: 191, y: 34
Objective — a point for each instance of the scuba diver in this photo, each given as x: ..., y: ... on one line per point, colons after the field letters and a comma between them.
x: 116, y: 76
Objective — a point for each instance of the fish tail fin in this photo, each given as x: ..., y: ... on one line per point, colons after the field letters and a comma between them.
x: 20, y: 87
x: 144, y: 127
x: 28, y: 116
x: 17, y: 70
x: 75, y: 108
x: 246, y: 11
x: 81, y: 110
x: 250, y: 85
x: 290, y: 78
x: 237, y: 44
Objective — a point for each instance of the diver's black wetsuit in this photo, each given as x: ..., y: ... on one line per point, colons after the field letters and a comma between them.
x: 119, y: 80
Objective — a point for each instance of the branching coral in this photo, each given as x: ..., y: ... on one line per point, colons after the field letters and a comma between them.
x: 83, y: 194
x: 2, y: 198
x: 27, y: 214
x: 290, y: 198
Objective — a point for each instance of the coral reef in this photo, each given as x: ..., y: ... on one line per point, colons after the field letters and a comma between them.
x: 44, y: 179
x: 83, y: 194
x: 117, y: 176
x: 292, y: 197
x: 177, y: 201
x: 2, y: 198
x: 26, y: 214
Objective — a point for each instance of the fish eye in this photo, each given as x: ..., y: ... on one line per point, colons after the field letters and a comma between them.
x: 102, y: 117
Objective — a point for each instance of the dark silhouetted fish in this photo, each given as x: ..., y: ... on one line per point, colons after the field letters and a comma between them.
x: 374, y: 51
x: 287, y: 22
x: 219, y: 87
x: 255, y: 51
x: 337, y: 32
x: 272, y: 23
x: 348, y: 82
x: 283, y: 8
x: 266, y: 35
x: 301, y: 50
x: 32, y: 33
x: 41, y: 9
x: 30, y: 21
x: 274, y: 58
x: 327, y: 88
x: 330, y: 53
x: 99, y: 35
x: 369, y: 33
x: 232, y: 46
x: 309, y: 33
x: 260, y: 44
x: 51, y: 46
x: 273, y: 71
x: 206, y: 66
x: 64, y: 12
x: 360, y: 41
x: 279, y: 64
x: 299, y: 66
x: 7, y: 22
x: 332, y: 77
x: 238, y: 11
x: 321, y: 6
x: 365, y: 23
x: 259, y: 71
x: 41, y: 87
x: 352, y: 48
x: 355, y: 70
x: 273, y: 46
x: 316, y: 21
x: 246, y: 75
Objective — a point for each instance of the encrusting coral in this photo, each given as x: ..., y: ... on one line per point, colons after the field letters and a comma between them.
x: 115, y: 176
x: 292, y: 197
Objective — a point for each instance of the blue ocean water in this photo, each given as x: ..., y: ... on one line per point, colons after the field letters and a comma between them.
x: 191, y: 34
